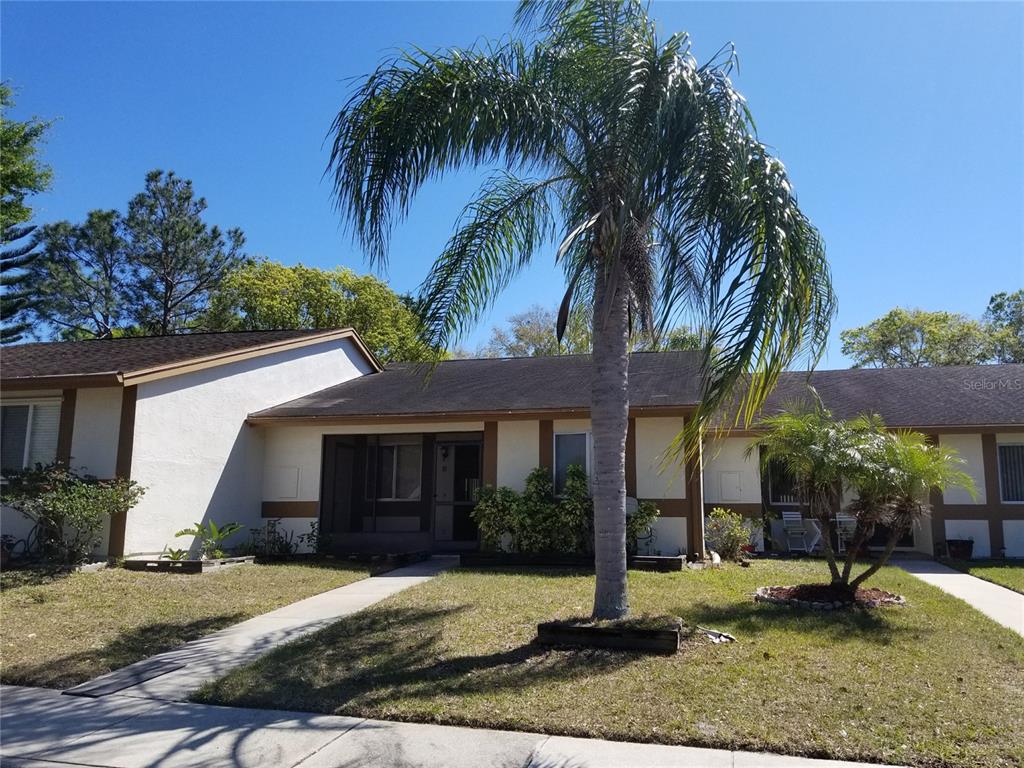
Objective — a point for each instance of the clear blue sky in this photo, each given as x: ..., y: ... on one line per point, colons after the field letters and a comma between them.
x: 900, y: 123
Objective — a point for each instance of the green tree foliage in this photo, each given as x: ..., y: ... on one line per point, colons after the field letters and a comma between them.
x: 83, y: 279
x: 532, y: 334
x: 69, y: 510
x: 149, y: 271
x: 22, y: 174
x: 177, y: 259
x: 725, y: 533
x: 891, y: 473
x: 648, y: 166
x: 1005, y: 320
x: 910, y: 338
x: 265, y: 295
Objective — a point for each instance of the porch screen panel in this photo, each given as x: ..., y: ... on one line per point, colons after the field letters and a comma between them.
x: 13, y: 426
x: 42, y: 445
x: 1011, y: 472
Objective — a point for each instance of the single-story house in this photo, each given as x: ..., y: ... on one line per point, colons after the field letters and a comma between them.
x: 307, y: 426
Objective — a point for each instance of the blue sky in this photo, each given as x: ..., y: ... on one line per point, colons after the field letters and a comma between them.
x: 900, y: 123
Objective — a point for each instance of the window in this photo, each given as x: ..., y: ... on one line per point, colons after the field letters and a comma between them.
x: 781, y: 486
x: 1011, y: 472
x: 570, y: 448
x: 28, y: 435
x: 398, y: 467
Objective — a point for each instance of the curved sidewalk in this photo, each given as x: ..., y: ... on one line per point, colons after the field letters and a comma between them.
x: 998, y: 603
x: 175, y: 674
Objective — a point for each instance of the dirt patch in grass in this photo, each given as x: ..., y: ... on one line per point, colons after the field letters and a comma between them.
x: 826, y: 596
x: 935, y: 684
x: 61, y: 628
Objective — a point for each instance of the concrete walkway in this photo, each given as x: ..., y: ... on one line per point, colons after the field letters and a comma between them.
x: 998, y: 603
x: 41, y: 728
x: 173, y: 675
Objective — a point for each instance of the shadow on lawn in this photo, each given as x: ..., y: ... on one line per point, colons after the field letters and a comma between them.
x: 872, y: 625
x: 128, y: 647
x: 372, y: 659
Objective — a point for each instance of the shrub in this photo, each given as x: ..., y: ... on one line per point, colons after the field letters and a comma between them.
x: 725, y: 533
x: 68, y: 509
x: 211, y: 537
x: 537, y: 521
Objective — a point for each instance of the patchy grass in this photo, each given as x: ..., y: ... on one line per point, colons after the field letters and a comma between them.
x: 60, y: 629
x: 929, y: 684
x: 1005, y: 573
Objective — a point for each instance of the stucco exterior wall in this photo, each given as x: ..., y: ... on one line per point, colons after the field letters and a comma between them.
x: 969, y: 449
x: 729, y: 476
x: 94, y: 437
x: 653, y: 437
x: 518, y: 452
x: 193, y: 452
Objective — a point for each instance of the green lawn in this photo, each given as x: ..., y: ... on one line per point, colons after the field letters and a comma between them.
x: 1006, y: 573
x: 928, y: 684
x: 60, y: 630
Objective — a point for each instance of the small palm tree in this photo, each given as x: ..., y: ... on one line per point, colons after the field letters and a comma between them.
x: 646, y: 165
x: 894, y: 486
x: 892, y: 475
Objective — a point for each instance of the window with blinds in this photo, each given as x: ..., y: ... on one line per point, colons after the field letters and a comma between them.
x: 28, y: 435
x: 1011, y: 472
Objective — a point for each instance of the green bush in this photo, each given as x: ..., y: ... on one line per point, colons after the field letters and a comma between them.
x: 725, y: 533
x: 69, y: 510
x: 536, y: 520
x: 211, y: 537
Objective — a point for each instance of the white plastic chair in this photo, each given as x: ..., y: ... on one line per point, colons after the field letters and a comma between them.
x: 796, y: 531
x: 846, y: 527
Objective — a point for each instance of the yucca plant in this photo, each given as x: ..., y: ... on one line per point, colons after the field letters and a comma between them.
x: 643, y: 164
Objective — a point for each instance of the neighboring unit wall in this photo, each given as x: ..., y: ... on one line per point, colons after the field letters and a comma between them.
x: 193, y: 451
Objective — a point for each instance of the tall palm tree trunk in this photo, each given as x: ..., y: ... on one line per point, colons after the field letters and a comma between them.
x: 609, y: 412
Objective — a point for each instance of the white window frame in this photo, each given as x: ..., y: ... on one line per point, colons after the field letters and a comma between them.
x: 554, y: 454
x: 32, y: 404
x: 390, y: 441
x: 999, y: 472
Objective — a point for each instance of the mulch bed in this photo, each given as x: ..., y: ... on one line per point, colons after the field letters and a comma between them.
x: 824, y: 597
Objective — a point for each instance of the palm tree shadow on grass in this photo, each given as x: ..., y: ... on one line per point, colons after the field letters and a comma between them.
x: 128, y: 647
x: 750, y: 618
x: 375, y: 658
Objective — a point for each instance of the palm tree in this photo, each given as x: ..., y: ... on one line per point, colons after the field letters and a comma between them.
x: 894, y: 485
x: 891, y: 473
x: 649, y: 168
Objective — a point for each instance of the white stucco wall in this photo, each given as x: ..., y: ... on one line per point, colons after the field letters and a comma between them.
x: 193, y: 452
x: 729, y: 476
x: 669, y: 538
x: 968, y: 447
x: 518, y: 452
x: 976, y: 530
x: 1013, y: 537
x: 653, y: 437
x: 95, y: 434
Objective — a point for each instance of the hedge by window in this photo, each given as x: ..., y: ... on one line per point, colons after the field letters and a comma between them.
x: 570, y: 448
x: 1011, y: 472
x: 28, y: 435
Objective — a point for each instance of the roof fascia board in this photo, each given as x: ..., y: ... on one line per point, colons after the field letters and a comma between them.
x: 448, y: 416
x: 76, y: 381
x: 191, y: 365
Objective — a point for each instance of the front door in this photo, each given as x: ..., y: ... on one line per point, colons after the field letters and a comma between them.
x: 457, y: 479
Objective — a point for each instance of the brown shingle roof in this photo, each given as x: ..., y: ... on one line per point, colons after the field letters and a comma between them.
x: 976, y: 395
x: 120, y: 357
x: 986, y: 395
x: 496, y: 385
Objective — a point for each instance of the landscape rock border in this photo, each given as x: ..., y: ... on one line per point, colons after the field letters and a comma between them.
x: 765, y: 595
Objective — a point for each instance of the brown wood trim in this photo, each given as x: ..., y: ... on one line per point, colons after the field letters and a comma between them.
x: 546, y: 445
x: 275, y: 509
x: 672, y: 507
x: 62, y: 382
x: 746, y: 509
x: 932, y: 429
x: 631, y: 457
x: 66, y: 428
x: 123, y: 467
x: 490, y: 457
x: 695, y: 497
x: 429, y: 418
x: 222, y: 358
